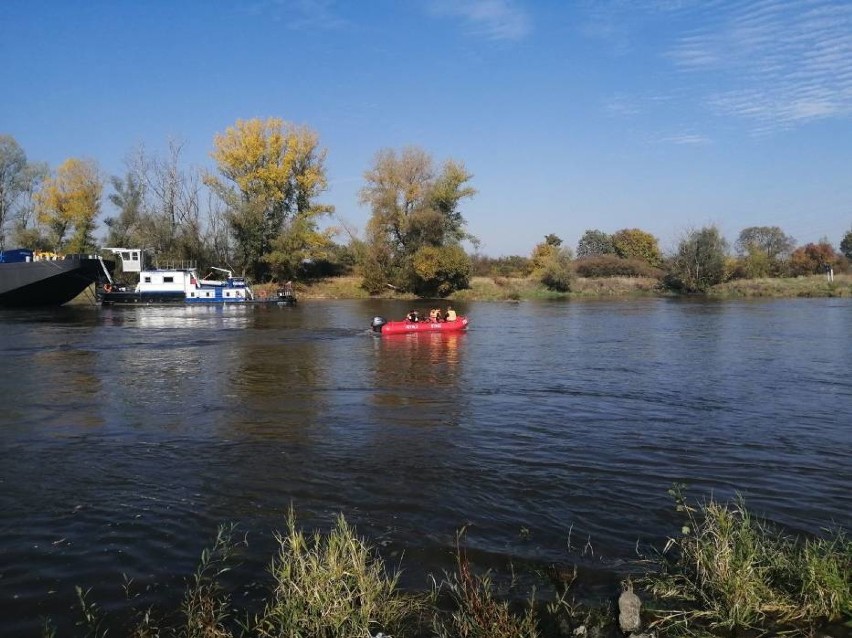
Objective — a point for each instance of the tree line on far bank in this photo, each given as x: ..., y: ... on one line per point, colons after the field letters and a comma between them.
x: 702, y: 258
x: 259, y: 213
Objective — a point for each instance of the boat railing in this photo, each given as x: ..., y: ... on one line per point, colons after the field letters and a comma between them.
x: 175, y: 265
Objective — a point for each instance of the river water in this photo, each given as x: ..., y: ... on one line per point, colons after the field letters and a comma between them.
x: 550, y: 431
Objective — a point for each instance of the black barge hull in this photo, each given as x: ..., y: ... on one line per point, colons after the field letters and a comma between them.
x: 49, y: 282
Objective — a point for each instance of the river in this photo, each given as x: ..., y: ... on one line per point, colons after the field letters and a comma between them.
x: 549, y: 431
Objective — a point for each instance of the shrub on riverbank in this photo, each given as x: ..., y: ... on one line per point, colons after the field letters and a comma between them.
x: 730, y: 571
x: 727, y: 573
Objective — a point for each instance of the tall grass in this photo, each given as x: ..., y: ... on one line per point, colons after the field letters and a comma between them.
x: 332, y: 587
x: 732, y: 571
x: 726, y: 573
x: 475, y: 612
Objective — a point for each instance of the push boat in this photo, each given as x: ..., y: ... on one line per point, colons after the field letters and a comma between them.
x: 380, y: 326
x: 29, y: 278
x: 181, y: 284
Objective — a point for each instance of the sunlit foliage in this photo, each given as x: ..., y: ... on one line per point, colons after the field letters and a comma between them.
x: 732, y: 573
x: 68, y: 204
x: 614, y: 266
x: 416, y: 225
x: 551, y: 264
x: 633, y: 243
x: 812, y: 258
x: 270, y: 174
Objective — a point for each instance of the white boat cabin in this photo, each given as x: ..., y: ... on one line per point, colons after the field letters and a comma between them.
x: 183, y: 279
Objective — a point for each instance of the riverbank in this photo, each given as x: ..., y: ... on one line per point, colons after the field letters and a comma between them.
x: 727, y: 573
x: 525, y: 289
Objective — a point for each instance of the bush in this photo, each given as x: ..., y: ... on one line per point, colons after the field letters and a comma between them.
x: 614, y: 266
x: 732, y: 571
x: 332, y: 586
x: 437, y: 271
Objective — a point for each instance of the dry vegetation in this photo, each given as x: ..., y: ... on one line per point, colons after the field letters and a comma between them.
x: 727, y: 573
x: 519, y: 289
x: 811, y: 286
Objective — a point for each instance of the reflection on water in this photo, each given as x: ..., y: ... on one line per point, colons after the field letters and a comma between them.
x: 421, y: 371
x: 129, y: 434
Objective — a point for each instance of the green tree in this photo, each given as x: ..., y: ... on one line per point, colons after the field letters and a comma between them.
x: 595, y: 243
x: 763, y: 249
x: 19, y: 181
x: 13, y: 163
x: 700, y: 260
x: 846, y: 245
x: 440, y: 270
x: 271, y: 173
x: 416, y: 225
x: 632, y: 243
x: 128, y: 198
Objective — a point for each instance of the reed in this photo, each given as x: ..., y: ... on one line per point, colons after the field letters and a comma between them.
x: 332, y: 586
x: 730, y: 571
x: 475, y: 611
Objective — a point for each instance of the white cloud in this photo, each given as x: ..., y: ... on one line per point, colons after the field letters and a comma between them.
x: 691, y: 139
x: 779, y: 63
x: 492, y: 19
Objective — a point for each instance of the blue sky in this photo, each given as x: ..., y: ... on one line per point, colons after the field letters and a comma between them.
x: 664, y: 115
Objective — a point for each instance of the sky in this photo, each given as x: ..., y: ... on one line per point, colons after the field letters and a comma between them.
x: 663, y: 115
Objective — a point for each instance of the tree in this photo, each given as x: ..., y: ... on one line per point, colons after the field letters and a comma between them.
x: 632, y: 243
x: 128, y: 197
x: 700, y: 260
x: 68, y: 203
x: 812, y: 258
x: 19, y: 180
x: 762, y: 249
x: 271, y: 173
x: 171, y: 223
x: 440, y: 270
x: 551, y: 264
x: 13, y: 162
x: 25, y: 229
x: 846, y: 245
x: 416, y: 225
x: 594, y: 243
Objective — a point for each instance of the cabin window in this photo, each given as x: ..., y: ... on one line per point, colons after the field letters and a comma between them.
x: 168, y: 280
x: 125, y: 256
x: 192, y: 294
x: 147, y: 280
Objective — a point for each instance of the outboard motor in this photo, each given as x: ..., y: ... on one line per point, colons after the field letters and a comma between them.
x: 377, y: 324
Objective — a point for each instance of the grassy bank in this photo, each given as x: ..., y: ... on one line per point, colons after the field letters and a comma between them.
x: 813, y: 286
x: 525, y: 289
x: 726, y: 573
x: 488, y: 289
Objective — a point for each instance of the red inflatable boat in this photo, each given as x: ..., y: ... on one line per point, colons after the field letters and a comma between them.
x: 381, y: 326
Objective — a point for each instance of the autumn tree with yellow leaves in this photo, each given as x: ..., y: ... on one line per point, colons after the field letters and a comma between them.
x: 67, y: 205
x: 270, y: 173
